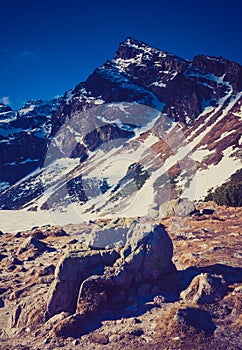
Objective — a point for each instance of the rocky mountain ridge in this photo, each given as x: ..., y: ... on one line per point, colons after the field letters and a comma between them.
x: 181, y: 118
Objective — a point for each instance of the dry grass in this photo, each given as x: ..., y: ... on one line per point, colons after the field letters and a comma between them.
x: 36, y: 318
x: 208, y: 239
x: 171, y: 334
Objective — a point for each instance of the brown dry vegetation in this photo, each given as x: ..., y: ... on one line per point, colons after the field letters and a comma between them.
x: 205, y: 243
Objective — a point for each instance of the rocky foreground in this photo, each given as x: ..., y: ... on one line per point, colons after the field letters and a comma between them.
x: 125, y: 284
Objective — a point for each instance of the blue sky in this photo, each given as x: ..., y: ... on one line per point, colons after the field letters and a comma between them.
x: 47, y: 47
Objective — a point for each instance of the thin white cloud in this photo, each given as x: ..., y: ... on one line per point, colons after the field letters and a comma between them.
x: 25, y: 55
x: 5, y: 100
x: 13, y: 56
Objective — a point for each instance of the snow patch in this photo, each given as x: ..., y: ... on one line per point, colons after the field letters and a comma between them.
x: 159, y: 84
x: 3, y: 185
x: 200, y: 154
x: 213, y: 176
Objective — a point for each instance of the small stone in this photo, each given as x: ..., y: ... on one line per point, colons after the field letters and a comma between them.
x: 199, y: 319
x: 159, y: 300
x: 137, y: 332
x: 100, y: 338
x: 73, y: 241
x: 76, y: 342
x: 136, y: 320
x: 237, y: 290
x: 38, y: 234
x: 47, y: 341
x: 18, y: 235
x: 114, y: 338
x: 15, y: 316
x: 33, y: 243
x: 47, y: 270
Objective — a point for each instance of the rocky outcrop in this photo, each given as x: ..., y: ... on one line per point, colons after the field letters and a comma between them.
x: 205, y: 288
x: 87, y: 279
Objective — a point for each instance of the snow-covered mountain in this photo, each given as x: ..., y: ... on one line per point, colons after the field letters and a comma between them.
x: 23, y: 139
x: 144, y: 128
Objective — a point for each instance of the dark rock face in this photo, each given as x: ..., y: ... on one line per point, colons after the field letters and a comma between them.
x: 4, y: 109
x: 219, y: 66
x: 23, y: 139
x: 140, y: 73
x: 199, y: 319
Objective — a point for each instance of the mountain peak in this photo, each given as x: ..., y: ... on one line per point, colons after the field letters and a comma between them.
x: 138, y: 44
x: 129, y: 41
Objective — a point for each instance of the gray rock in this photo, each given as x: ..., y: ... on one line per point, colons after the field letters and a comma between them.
x: 185, y: 207
x: 146, y: 257
x: 179, y: 207
x: 33, y: 243
x: 72, y: 269
x: 168, y: 208
x: 15, y: 316
x: 159, y: 300
x: 149, y: 252
x: 110, y: 237
x: 99, y: 338
x: 205, y: 288
x: 76, y: 342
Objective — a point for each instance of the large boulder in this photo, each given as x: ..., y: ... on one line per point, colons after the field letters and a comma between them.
x: 86, y: 279
x: 148, y: 252
x: 72, y: 269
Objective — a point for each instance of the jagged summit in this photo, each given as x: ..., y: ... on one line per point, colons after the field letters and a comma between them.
x: 131, y: 47
x: 138, y: 45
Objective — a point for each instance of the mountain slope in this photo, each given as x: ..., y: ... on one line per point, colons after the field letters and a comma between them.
x: 23, y: 139
x: 144, y: 128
